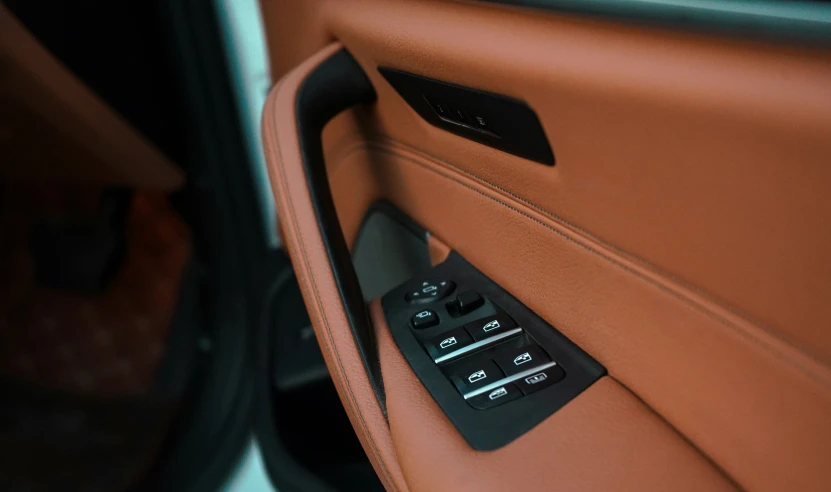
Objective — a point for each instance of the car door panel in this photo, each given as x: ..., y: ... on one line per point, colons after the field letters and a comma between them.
x: 679, y: 240
x: 593, y: 432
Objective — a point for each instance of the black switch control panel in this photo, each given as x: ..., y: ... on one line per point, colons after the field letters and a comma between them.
x: 494, y: 366
x: 500, y: 122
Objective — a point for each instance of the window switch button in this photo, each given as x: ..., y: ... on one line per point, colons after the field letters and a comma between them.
x: 476, y: 374
x: 448, y: 342
x: 490, y: 326
x: 498, y: 396
x: 515, y: 360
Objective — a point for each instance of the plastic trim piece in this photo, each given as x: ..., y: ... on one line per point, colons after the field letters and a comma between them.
x: 480, y: 344
x: 491, y: 428
x: 509, y: 379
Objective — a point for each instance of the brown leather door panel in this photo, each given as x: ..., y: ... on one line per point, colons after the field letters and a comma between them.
x: 680, y: 240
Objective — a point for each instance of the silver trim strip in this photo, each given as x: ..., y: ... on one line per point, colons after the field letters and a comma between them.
x: 509, y: 379
x: 476, y: 345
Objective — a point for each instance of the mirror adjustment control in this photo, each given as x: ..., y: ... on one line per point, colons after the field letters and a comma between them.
x: 464, y: 303
x: 498, y: 396
x: 476, y: 374
x: 430, y: 291
x: 490, y: 326
x: 516, y: 360
x: 448, y: 342
x: 540, y: 379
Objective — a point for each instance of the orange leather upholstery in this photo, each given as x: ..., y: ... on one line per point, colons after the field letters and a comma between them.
x: 587, y: 445
x: 304, y: 244
x: 681, y: 239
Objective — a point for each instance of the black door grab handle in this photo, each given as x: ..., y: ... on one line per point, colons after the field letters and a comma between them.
x: 337, y: 84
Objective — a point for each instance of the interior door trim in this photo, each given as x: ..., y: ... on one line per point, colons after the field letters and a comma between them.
x: 805, y: 21
x: 334, y: 86
x: 305, y: 241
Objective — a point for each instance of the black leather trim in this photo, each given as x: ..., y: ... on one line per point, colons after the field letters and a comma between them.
x: 335, y: 85
x: 804, y: 22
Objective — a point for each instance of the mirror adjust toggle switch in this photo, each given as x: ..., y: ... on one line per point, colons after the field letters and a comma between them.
x: 430, y: 291
x: 464, y: 303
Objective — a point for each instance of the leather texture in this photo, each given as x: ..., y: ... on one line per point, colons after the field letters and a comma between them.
x: 314, y: 274
x: 720, y: 382
x: 681, y: 239
x: 52, y: 127
x: 586, y: 445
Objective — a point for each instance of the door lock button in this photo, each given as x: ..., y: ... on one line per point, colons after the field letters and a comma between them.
x: 448, y: 342
x: 516, y: 360
x: 430, y: 291
x: 476, y: 374
x: 490, y: 326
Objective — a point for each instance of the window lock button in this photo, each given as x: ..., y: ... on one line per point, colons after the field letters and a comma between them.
x: 540, y: 379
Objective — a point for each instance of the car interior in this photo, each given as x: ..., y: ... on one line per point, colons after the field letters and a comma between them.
x: 520, y: 245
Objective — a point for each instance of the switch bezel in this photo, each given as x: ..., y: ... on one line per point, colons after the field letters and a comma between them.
x: 510, y: 125
x: 495, y: 427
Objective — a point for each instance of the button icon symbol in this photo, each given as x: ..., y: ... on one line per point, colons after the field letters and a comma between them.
x: 423, y: 314
x: 429, y: 288
x: 491, y: 325
x: 498, y: 393
x: 476, y: 376
x: 522, y: 359
x: 447, y: 342
x: 536, y: 378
